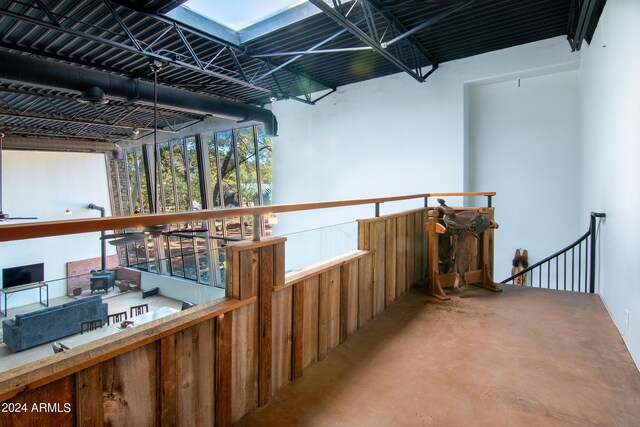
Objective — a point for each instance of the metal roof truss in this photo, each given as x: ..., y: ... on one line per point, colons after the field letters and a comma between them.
x: 381, y: 32
x: 258, y: 75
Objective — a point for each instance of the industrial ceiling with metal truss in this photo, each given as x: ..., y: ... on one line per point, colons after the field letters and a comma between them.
x: 56, y: 53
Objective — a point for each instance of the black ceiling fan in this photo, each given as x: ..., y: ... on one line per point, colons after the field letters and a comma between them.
x: 151, y: 232
x: 5, y: 216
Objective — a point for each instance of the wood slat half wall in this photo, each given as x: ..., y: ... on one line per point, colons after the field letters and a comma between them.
x: 399, y: 246
x: 197, y: 370
x: 213, y: 364
x: 326, y: 308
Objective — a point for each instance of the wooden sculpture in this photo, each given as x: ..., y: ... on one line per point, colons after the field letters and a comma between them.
x: 520, y: 262
x: 455, y: 258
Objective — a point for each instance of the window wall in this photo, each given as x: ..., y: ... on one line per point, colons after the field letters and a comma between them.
x: 227, y: 168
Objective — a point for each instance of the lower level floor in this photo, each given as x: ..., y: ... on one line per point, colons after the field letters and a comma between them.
x: 117, y: 302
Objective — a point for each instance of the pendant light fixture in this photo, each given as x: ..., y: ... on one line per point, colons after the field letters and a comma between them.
x: 156, y: 66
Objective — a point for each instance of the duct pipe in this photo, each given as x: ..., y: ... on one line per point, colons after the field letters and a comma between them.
x: 40, y: 72
x: 103, y: 252
x: 53, y: 144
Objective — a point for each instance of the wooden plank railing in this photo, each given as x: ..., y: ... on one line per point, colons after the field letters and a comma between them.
x: 216, y: 362
x: 119, y: 377
x: 56, y: 228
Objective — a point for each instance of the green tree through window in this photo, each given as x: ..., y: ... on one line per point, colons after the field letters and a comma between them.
x: 236, y: 166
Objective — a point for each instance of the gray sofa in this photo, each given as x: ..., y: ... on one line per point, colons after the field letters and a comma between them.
x: 49, y: 324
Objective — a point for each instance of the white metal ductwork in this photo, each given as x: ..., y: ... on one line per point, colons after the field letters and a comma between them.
x: 53, y: 144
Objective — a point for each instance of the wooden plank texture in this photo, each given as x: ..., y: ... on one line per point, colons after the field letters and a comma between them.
x: 323, y: 316
x: 223, y: 369
x: 298, y: 331
x: 344, y: 301
x: 248, y: 273
x: 425, y: 245
x: 352, y: 308
x: 401, y: 256
x: 281, y: 339
x: 333, y: 319
x: 279, y: 260
x: 38, y: 373
x: 130, y: 384
x: 365, y: 290
x: 411, y: 248
x: 195, y: 362
x: 168, y: 381
x: 26, y: 409
x: 232, y: 287
x: 267, y: 280
x: 418, y: 247
x: 89, y: 400
x: 244, y: 363
x: 390, y: 262
x: 310, y: 329
x: 378, y: 244
x: 364, y: 243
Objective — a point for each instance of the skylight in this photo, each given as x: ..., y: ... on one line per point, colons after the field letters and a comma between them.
x: 240, y: 14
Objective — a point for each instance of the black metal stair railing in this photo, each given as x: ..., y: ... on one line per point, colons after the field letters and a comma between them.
x: 570, y: 269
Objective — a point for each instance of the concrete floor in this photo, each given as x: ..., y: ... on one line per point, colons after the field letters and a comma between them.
x: 525, y: 357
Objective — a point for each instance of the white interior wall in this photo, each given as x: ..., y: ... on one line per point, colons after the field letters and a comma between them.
x: 180, y: 289
x: 45, y: 184
x: 610, y: 137
x: 390, y: 136
x: 375, y: 137
x: 523, y: 141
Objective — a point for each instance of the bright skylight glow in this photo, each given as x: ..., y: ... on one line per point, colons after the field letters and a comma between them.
x: 239, y: 14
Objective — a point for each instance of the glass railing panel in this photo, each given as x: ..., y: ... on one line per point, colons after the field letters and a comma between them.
x: 308, y: 247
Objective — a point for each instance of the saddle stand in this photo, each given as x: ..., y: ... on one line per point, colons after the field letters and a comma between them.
x: 472, y: 261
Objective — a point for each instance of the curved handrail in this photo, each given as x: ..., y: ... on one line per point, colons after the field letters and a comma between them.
x: 549, y: 258
x: 589, y: 269
x: 32, y: 230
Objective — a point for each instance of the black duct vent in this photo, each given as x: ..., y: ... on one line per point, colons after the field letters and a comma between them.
x: 90, y: 83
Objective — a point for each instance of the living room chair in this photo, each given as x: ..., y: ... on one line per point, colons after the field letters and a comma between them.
x: 58, y: 347
x: 90, y: 325
x: 116, y: 317
x: 137, y: 310
x: 186, y: 305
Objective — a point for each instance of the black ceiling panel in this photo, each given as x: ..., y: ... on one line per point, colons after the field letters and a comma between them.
x: 123, y: 36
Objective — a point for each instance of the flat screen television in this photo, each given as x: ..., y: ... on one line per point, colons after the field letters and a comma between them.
x: 16, y: 276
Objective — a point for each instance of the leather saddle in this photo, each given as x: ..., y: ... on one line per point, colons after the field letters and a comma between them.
x: 459, y: 222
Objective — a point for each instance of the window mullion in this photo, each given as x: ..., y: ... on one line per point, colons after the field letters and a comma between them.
x: 220, y: 189
x: 173, y: 177
x: 151, y: 182
x: 234, y: 148
x: 136, y: 155
x: 160, y: 184
x: 187, y: 174
x: 258, y: 176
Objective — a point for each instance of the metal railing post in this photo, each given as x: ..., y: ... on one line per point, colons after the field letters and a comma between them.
x: 377, y: 210
x: 592, y: 255
x: 257, y: 220
x: 488, y: 201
